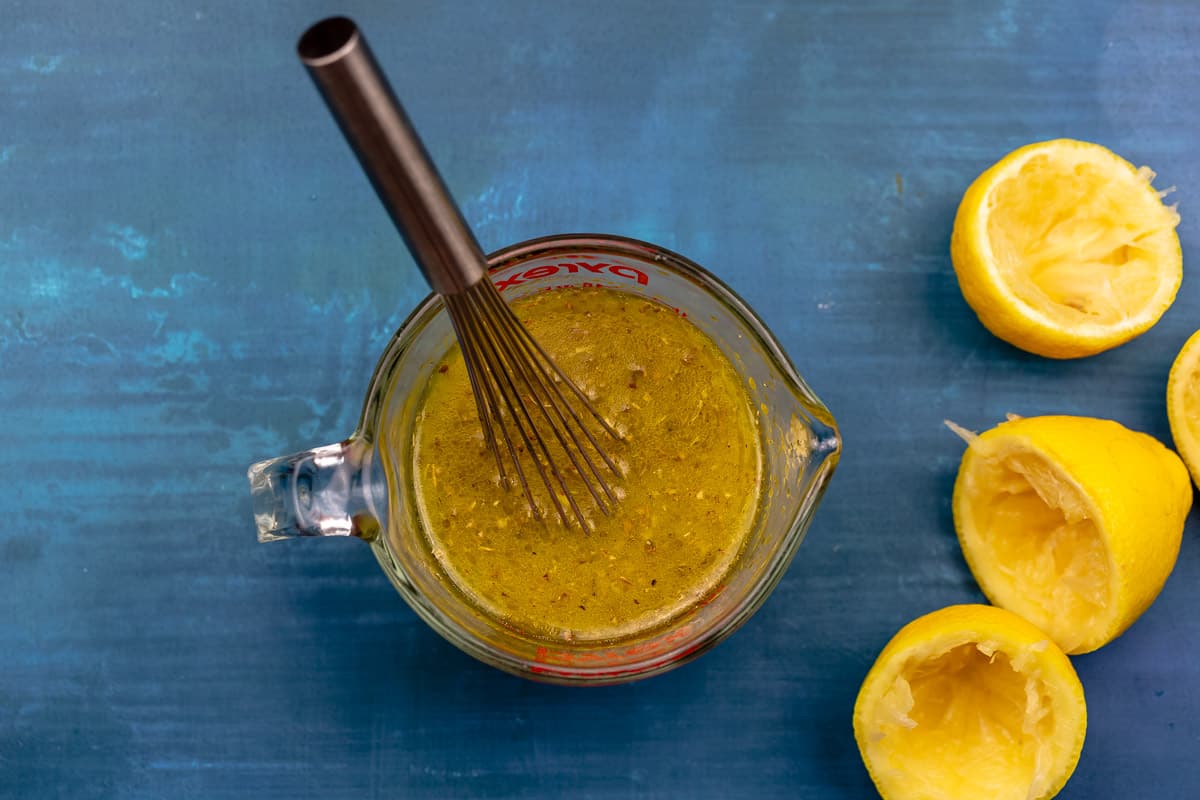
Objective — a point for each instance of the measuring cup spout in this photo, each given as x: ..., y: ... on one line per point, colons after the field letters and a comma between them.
x: 318, y: 492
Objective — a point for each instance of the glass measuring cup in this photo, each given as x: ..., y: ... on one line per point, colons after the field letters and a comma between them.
x: 363, y: 486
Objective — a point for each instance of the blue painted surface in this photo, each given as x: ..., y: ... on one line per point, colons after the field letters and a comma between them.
x: 197, y: 276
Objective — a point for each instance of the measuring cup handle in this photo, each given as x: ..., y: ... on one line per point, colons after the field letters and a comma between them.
x: 319, y: 492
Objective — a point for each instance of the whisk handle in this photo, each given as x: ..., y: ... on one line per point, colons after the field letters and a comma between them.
x: 390, y: 152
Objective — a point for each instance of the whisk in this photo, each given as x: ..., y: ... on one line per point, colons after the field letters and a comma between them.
x: 523, y: 398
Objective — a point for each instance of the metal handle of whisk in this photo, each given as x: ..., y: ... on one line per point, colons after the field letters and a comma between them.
x: 374, y: 123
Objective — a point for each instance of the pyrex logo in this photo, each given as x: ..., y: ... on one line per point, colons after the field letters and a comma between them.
x: 573, y: 267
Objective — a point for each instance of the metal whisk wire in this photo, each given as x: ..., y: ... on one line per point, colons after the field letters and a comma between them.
x: 499, y: 352
x: 516, y: 386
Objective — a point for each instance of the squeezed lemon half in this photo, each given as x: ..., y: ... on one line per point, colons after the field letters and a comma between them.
x: 1065, y: 249
x: 1183, y: 404
x: 970, y: 702
x: 1071, y: 522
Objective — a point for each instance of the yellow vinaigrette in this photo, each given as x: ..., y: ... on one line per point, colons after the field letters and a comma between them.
x: 691, y: 456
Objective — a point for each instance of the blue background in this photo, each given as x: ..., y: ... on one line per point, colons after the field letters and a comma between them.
x: 196, y: 275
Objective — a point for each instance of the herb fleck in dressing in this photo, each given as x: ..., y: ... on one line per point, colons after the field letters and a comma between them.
x: 691, y: 457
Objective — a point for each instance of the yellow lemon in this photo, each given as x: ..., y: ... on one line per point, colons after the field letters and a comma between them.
x: 1183, y: 404
x: 1071, y: 522
x: 970, y: 702
x: 1065, y: 249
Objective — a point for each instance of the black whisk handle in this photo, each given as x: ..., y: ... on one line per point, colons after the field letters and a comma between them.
x: 374, y: 123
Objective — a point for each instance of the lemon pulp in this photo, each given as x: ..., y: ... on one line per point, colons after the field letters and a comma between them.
x: 1040, y: 535
x: 967, y: 719
x: 1065, y: 249
x: 970, y: 701
x: 1077, y: 244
